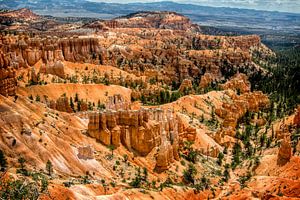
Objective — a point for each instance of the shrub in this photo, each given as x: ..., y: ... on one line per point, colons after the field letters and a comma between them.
x: 244, y: 179
x: 220, y: 158
x: 23, y: 188
x: 189, y: 174
x: 22, y: 169
x: 37, y: 98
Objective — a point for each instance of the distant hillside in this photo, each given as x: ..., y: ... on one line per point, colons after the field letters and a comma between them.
x: 276, y: 29
x: 210, y: 16
x: 24, y: 14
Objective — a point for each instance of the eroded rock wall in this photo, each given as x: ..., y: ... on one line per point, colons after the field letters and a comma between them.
x: 8, y: 81
x: 138, y: 130
x: 61, y: 104
x: 174, y: 55
x: 22, y: 51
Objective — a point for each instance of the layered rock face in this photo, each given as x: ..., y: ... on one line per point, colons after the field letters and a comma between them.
x: 8, y: 82
x: 23, y: 51
x: 139, y: 131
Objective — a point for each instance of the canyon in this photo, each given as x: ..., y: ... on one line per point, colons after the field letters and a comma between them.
x: 144, y: 106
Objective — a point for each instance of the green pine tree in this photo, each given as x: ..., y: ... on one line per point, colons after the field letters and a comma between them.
x: 3, y: 161
x: 49, y: 167
x: 72, y: 104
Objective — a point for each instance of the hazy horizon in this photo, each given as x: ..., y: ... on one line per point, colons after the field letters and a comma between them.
x: 292, y: 6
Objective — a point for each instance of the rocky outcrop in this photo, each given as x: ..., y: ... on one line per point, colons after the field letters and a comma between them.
x: 186, y: 86
x: 243, y: 101
x: 207, y: 79
x: 166, y: 155
x: 238, y: 83
x: 285, y: 151
x: 56, y: 68
x: 244, y: 42
x: 154, y: 20
x: 107, y: 127
x: 232, y: 112
x: 212, y: 60
x: 85, y: 152
x: 160, y: 20
x: 225, y: 137
x: 210, y: 151
x: 22, y: 51
x: 83, y: 106
x: 34, y: 77
x: 252, y: 102
x: 217, y: 64
x: 61, y: 104
x: 117, y: 102
x: 202, y: 42
x: 8, y: 82
x: 20, y: 14
x: 139, y: 131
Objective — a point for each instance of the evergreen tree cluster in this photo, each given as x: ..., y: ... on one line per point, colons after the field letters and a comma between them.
x: 283, y: 80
